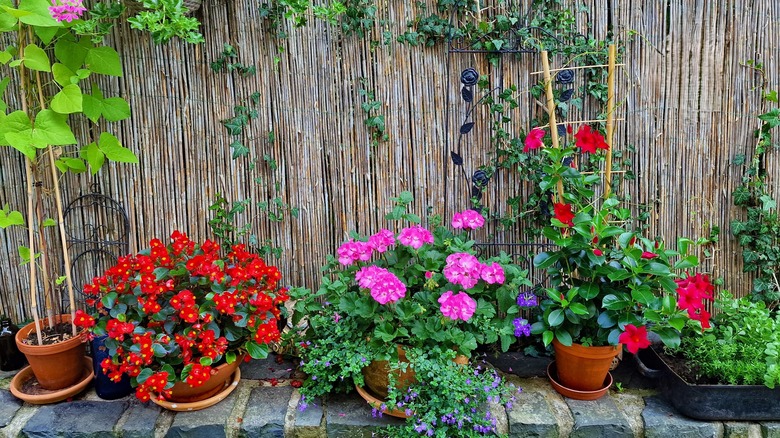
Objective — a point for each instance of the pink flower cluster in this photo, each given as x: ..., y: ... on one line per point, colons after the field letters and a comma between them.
x: 466, y: 270
x: 68, y: 10
x: 468, y: 220
x: 354, y: 250
x: 415, y: 236
x: 384, y: 285
x: 460, y: 306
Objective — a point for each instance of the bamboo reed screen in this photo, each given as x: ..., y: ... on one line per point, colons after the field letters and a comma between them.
x: 688, y: 101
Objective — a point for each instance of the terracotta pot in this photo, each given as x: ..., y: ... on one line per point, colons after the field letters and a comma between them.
x: 376, y: 374
x: 55, y: 366
x: 583, y: 368
x: 220, y: 377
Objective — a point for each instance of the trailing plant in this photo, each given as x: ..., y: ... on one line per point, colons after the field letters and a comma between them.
x: 759, y: 233
x: 741, y: 348
x: 235, y: 125
x: 52, y: 66
x: 166, y: 19
x: 225, y: 62
x: 374, y: 121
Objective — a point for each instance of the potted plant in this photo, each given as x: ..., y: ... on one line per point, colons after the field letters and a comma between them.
x: 180, y: 316
x: 54, y: 68
x: 414, y: 298
x: 729, y: 372
x: 609, y: 285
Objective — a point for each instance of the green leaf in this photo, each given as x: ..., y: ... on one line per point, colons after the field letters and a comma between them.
x: 547, y: 337
x: 10, y: 218
x: 71, y: 53
x: 37, y: 13
x: 7, y: 20
x: 62, y: 74
x: 563, y: 337
x: 588, y: 291
x: 3, y: 85
x: 104, y: 60
x: 46, y: 34
x: 643, y: 295
x: 115, y: 109
x: 669, y: 336
x: 555, y: 318
x: 578, y: 308
x: 68, y: 100
x: 114, y: 151
x: 159, y: 350
x: 92, y: 107
x: 52, y: 128
x: 76, y: 165
x: 95, y: 157
x: 16, y: 131
x: 35, y: 58
x: 257, y: 351
x: 24, y: 254
x: 48, y: 222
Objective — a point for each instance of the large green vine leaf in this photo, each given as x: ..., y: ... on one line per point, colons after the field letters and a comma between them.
x: 52, y: 128
x: 38, y: 13
x: 104, y: 60
x: 71, y: 53
x: 68, y: 100
x: 114, y: 150
x: 35, y: 58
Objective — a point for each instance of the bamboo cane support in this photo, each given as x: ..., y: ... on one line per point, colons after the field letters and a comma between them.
x: 551, y: 113
x: 610, y: 120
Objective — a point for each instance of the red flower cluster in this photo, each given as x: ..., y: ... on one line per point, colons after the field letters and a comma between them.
x: 692, y: 291
x: 634, y: 338
x: 179, y: 305
x: 590, y: 140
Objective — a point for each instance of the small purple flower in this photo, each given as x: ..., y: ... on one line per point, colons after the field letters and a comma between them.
x: 527, y: 299
x: 522, y: 328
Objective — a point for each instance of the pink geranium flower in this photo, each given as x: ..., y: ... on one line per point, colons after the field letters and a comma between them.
x: 67, y: 10
x: 382, y: 240
x: 415, y: 236
x: 468, y: 220
x: 493, y: 274
x: 455, y: 307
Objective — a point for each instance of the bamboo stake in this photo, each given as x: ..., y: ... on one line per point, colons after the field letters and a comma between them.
x: 610, y: 120
x: 30, y: 203
x: 63, y: 242
x: 551, y: 113
x: 31, y: 237
x: 576, y: 68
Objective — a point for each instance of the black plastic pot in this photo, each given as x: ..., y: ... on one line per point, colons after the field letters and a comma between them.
x: 710, y: 402
x: 105, y: 387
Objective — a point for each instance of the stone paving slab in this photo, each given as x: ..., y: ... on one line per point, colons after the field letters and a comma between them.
x: 272, y: 367
x: 76, y: 419
x: 140, y: 419
x: 770, y: 429
x: 598, y: 418
x: 266, y: 412
x: 349, y: 416
x: 205, y: 423
x: 531, y: 416
x: 662, y: 421
x: 8, y: 407
x: 308, y: 421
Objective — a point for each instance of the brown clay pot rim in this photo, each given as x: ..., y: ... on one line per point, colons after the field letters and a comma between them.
x: 37, y: 350
x: 26, y: 374
x: 552, y: 375
x: 601, y: 352
x: 377, y: 403
x: 201, y: 404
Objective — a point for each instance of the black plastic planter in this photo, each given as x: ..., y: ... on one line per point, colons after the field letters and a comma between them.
x: 710, y: 402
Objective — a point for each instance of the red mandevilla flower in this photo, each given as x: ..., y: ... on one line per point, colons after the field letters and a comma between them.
x: 564, y: 214
x: 634, y: 338
x: 589, y: 140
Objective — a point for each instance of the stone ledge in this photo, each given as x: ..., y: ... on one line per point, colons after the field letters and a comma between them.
x: 268, y: 408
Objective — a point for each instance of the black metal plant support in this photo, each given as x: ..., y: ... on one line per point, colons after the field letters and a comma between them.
x: 97, y: 230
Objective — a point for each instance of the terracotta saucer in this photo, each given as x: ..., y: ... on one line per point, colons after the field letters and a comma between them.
x: 377, y: 403
x: 201, y: 404
x: 552, y: 374
x: 24, y: 386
